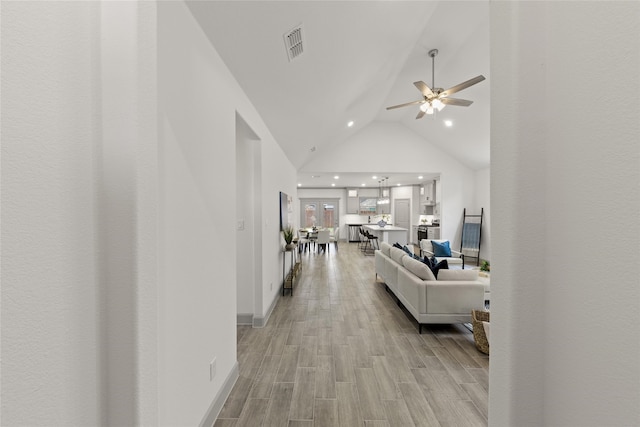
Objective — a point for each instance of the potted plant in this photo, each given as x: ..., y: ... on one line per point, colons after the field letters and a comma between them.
x: 485, y: 267
x: 287, y: 233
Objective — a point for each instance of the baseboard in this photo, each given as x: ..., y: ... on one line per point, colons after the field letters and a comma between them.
x: 261, y: 322
x: 244, y: 319
x: 221, y: 397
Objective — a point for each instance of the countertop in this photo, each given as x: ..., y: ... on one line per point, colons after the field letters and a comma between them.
x: 376, y: 227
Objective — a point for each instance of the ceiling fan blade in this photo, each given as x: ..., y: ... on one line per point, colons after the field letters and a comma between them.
x: 455, y: 101
x: 463, y: 85
x: 424, y: 89
x: 420, y: 114
x: 422, y: 101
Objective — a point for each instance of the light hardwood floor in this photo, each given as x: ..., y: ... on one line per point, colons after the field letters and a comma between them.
x: 341, y: 352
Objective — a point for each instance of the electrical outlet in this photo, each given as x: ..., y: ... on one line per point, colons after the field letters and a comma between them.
x: 212, y: 369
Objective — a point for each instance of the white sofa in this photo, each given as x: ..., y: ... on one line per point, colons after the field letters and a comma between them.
x: 450, y: 299
x: 456, y: 258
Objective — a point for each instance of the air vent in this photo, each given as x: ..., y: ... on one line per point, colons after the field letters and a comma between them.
x: 293, y: 42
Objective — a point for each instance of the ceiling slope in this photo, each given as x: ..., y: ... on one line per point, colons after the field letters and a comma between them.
x: 359, y: 57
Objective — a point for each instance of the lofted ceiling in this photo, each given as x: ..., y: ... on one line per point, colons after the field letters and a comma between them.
x: 359, y: 57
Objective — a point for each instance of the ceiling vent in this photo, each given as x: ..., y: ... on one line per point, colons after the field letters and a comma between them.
x: 293, y: 42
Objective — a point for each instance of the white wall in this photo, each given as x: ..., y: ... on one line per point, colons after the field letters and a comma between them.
x: 403, y: 150
x: 198, y: 103
x: 118, y: 255
x: 79, y: 226
x: 565, y: 191
x: 50, y: 284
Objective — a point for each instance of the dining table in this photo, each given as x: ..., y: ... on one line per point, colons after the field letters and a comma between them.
x: 311, y: 233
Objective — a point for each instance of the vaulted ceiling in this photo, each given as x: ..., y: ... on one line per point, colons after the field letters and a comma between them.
x: 359, y: 57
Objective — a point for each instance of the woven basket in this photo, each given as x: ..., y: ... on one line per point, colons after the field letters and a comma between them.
x: 479, y: 316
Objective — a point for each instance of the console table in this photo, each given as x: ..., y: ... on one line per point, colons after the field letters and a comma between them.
x: 290, y: 279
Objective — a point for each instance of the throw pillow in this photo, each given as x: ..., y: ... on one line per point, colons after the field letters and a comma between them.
x: 441, y: 248
x: 435, y: 266
x: 428, y: 261
x: 442, y: 265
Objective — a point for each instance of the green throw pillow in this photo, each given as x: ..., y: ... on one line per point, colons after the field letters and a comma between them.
x: 441, y: 248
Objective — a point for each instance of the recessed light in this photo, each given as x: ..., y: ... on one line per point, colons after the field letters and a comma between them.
x: 350, y: 123
x: 420, y: 177
x: 448, y: 123
x: 398, y: 184
x: 336, y: 177
x: 333, y: 184
x: 299, y: 185
x: 374, y: 177
x: 364, y: 185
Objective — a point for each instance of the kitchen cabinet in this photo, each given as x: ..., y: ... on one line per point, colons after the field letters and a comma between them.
x: 427, y: 191
x: 368, y: 205
x: 384, y: 208
x: 352, y: 202
x: 438, y: 191
x: 433, y: 233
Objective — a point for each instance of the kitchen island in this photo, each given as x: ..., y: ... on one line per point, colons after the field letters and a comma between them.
x: 389, y: 233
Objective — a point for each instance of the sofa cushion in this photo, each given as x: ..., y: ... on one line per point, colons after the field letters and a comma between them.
x: 397, y: 254
x: 385, y: 248
x: 418, y: 268
x: 458, y: 275
x: 441, y: 249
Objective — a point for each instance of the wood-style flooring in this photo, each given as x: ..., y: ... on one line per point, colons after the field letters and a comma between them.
x: 341, y: 352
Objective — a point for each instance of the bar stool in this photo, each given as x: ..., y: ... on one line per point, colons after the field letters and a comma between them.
x: 371, y: 238
x: 363, y: 240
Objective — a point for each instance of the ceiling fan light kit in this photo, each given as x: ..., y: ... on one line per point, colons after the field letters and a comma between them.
x: 435, y: 99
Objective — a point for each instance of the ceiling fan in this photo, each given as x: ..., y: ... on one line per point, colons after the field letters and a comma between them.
x: 435, y: 98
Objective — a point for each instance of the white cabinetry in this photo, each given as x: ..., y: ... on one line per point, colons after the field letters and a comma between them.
x: 433, y: 233
x: 352, y: 202
x: 427, y: 193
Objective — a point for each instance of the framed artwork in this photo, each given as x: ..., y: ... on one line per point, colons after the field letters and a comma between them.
x: 286, y: 211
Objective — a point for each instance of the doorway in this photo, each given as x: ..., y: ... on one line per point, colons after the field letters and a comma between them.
x: 249, y: 293
x: 402, y: 214
x: 319, y: 213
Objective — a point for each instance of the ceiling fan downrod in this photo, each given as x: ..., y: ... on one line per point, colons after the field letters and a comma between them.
x: 433, y: 53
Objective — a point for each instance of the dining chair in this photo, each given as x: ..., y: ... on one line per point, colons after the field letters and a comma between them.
x: 323, y: 239
x: 303, y: 241
x: 335, y: 237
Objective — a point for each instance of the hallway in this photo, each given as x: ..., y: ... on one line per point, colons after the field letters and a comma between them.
x: 341, y: 352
